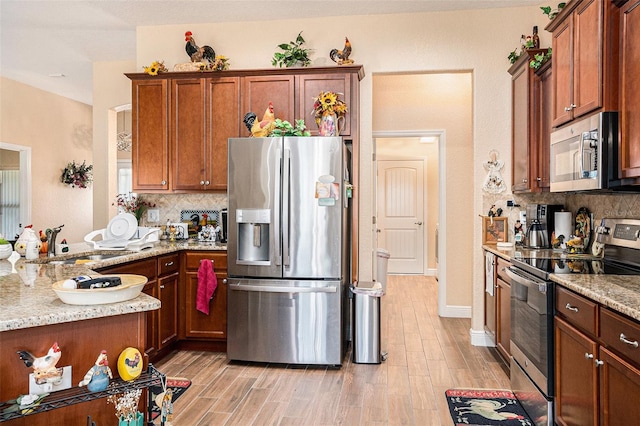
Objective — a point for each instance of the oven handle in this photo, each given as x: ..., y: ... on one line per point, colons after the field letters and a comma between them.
x: 518, y: 276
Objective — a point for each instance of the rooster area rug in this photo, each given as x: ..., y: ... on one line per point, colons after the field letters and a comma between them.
x: 175, y: 387
x: 483, y: 407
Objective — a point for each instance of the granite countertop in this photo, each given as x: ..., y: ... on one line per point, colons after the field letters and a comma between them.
x: 618, y: 292
x: 27, y: 299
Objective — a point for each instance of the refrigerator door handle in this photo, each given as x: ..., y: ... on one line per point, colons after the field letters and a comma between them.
x: 282, y: 289
x: 276, y: 213
x: 285, y: 205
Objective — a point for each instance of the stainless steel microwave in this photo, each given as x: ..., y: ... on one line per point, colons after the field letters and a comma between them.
x: 584, y: 154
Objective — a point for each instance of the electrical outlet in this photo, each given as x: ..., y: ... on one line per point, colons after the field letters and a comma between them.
x: 153, y: 215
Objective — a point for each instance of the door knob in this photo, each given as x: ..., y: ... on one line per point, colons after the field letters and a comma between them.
x: 418, y: 223
x: 378, y: 230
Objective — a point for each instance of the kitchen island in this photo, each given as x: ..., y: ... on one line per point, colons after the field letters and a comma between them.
x: 32, y: 318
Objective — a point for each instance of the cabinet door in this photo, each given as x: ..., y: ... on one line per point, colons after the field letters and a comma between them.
x: 630, y: 89
x: 223, y: 122
x: 619, y: 390
x: 188, y: 133
x: 199, y: 325
x: 503, y: 318
x: 150, y: 138
x: 257, y: 92
x: 562, y: 45
x: 587, y: 56
x: 490, y: 303
x: 544, y: 99
x: 521, y: 106
x: 151, y: 346
x: 309, y: 86
x: 576, y: 376
x: 168, y: 317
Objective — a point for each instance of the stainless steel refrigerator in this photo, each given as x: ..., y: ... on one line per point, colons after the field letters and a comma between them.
x: 288, y: 250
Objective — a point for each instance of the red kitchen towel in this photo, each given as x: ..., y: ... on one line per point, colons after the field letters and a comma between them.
x: 207, y: 284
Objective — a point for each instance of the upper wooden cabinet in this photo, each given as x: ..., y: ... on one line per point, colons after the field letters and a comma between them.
x: 530, y: 105
x: 182, y: 120
x: 150, y: 136
x: 204, y: 114
x: 630, y: 90
x: 584, y: 39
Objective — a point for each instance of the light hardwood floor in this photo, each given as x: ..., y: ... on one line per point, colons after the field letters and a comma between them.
x: 426, y: 356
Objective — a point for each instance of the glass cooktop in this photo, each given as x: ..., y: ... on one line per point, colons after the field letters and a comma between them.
x: 578, y: 266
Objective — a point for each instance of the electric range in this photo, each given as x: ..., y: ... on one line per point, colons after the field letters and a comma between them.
x: 533, y: 301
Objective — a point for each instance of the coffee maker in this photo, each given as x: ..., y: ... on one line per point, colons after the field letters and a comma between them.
x: 540, y: 219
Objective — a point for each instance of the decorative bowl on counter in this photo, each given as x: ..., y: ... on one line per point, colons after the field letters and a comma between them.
x: 129, y: 289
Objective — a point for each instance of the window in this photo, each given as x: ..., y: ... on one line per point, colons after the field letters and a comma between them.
x: 9, y: 203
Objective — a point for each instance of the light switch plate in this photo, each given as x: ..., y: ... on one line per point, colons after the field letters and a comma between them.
x: 64, y: 383
x: 153, y: 215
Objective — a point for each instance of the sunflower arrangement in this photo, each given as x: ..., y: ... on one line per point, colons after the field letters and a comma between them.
x: 155, y: 68
x: 328, y: 102
x: 221, y: 63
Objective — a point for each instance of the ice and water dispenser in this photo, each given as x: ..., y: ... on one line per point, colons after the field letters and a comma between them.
x: 253, y: 236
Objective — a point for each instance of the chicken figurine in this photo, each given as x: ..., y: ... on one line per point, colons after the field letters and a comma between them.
x: 264, y: 127
x: 204, y: 54
x: 341, y: 57
x: 98, y: 376
x: 44, y: 367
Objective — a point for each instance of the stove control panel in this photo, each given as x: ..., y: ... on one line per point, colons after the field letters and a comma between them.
x: 619, y: 232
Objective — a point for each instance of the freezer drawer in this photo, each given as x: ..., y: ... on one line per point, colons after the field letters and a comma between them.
x: 292, y: 322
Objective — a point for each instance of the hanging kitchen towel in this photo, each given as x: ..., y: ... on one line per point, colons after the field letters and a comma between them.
x: 489, y: 259
x: 207, y: 284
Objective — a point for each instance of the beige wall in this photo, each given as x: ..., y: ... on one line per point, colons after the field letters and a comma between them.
x: 471, y: 41
x: 432, y: 101
x: 58, y: 130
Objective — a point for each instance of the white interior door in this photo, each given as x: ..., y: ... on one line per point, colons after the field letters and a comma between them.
x: 400, y: 215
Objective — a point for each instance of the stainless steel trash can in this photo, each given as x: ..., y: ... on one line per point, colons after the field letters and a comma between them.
x: 366, y: 322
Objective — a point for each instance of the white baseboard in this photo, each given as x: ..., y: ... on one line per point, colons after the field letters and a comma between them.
x: 456, y: 312
x: 481, y: 338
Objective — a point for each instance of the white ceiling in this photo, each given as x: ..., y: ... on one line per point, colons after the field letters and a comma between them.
x: 42, y: 39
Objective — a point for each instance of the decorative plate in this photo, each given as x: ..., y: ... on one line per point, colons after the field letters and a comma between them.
x: 130, y: 364
x: 122, y: 227
x: 583, y: 226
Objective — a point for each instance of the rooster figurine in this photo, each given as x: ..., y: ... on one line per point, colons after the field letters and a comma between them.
x: 263, y: 128
x: 341, y: 57
x: 44, y: 367
x: 98, y: 376
x: 196, y: 53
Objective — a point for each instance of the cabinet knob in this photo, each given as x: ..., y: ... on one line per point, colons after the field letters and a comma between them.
x: 206, y: 182
x: 161, y: 287
x: 224, y: 281
x: 169, y: 263
x: 588, y: 356
x: 538, y: 179
x: 624, y: 339
x: 164, y: 182
x: 525, y: 180
x: 418, y: 223
x: 201, y: 182
x: 571, y: 308
x: 599, y: 363
x: 570, y: 107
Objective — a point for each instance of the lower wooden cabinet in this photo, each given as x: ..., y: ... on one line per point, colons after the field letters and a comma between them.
x: 576, y: 376
x: 597, y: 363
x: 498, y: 308
x: 168, y: 286
x: 197, y: 325
x: 148, y: 268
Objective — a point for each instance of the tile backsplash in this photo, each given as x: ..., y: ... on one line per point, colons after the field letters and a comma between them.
x: 600, y: 205
x: 171, y: 205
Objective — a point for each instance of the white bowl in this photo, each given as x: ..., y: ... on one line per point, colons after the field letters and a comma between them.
x: 129, y: 289
x: 5, y: 251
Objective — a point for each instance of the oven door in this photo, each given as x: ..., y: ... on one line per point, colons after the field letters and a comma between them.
x: 532, y: 344
x: 532, y: 326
